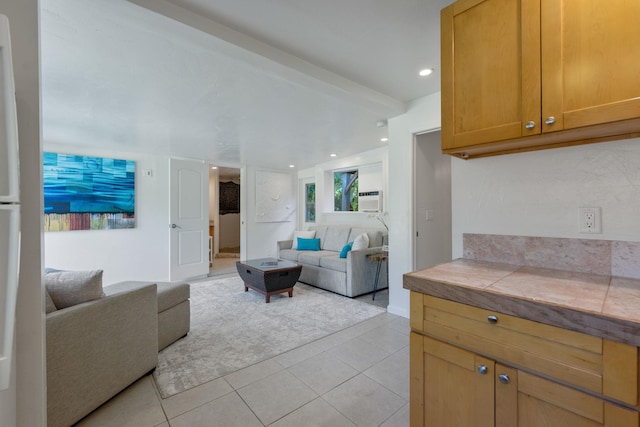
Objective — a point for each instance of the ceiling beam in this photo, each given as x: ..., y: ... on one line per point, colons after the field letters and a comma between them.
x: 304, y: 72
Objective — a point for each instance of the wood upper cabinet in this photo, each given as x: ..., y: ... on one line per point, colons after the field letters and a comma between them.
x: 527, y: 74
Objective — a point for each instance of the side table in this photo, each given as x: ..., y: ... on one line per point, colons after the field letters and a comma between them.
x: 378, y: 257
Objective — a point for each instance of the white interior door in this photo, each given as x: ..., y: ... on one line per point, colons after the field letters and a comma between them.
x: 189, y: 216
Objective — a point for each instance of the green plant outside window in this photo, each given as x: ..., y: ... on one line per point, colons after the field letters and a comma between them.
x: 310, y: 203
x: 345, y: 195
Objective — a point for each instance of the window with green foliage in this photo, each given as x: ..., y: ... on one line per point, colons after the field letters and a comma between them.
x: 345, y: 191
x: 310, y: 203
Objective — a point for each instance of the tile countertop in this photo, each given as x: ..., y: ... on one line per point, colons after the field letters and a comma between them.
x: 603, y: 306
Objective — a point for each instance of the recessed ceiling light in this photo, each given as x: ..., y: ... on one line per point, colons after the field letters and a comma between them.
x: 292, y: 166
x: 333, y: 154
x: 384, y: 139
x: 425, y: 72
x: 214, y: 167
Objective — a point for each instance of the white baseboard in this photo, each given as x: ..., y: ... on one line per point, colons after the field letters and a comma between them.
x: 398, y: 311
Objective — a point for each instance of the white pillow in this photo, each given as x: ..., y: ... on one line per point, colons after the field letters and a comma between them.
x: 68, y: 288
x: 361, y: 242
x: 304, y: 234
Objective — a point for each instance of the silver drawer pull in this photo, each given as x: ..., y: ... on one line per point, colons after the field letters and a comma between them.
x: 482, y: 369
x: 504, y: 378
x: 492, y: 319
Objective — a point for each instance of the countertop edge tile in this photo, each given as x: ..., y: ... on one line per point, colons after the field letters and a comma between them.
x: 601, y: 325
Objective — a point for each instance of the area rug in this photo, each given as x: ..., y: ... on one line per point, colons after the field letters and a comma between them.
x: 232, y: 329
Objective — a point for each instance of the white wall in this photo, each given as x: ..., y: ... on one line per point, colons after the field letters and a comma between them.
x: 539, y: 193
x: 23, y: 404
x: 432, y: 202
x: 140, y: 253
x: 261, y: 237
x: 423, y: 114
x: 371, y: 160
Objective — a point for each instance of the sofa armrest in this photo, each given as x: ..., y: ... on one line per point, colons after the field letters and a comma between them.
x: 98, y: 348
x: 284, y: 244
x: 361, y: 272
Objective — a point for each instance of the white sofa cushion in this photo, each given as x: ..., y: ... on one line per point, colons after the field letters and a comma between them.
x: 375, y: 236
x: 361, y: 242
x: 314, y: 257
x: 334, y: 262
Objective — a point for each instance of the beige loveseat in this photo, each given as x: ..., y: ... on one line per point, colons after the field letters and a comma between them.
x: 350, y: 276
x: 97, y: 348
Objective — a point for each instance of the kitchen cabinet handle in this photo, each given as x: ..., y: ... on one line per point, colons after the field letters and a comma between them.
x: 492, y: 319
x: 482, y: 369
x: 530, y: 124
x: 504, y: 378
x: 550, y: 120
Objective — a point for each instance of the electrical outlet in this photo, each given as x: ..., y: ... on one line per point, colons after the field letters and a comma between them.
x: 590, y: 220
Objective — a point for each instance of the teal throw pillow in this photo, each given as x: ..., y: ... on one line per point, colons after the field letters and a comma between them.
x: 345, y: 250
x: 308, y: 244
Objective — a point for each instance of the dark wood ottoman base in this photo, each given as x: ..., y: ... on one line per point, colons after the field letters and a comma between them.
x: 269, y: 276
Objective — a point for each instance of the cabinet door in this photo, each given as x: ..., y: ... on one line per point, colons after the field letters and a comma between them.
x: 456, y: 386
x: 544, y: 403
x: 590, y: 67
x: 490, y: 71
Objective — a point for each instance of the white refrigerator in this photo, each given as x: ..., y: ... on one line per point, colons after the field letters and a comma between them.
x: 9, y: 205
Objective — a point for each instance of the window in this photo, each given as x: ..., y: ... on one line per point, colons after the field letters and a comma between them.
x: 345, y: 191
x: 310, y: 203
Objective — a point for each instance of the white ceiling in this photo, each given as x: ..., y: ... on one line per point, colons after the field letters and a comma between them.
x: 264, y: 83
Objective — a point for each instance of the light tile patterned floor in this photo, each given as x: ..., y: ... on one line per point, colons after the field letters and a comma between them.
x: 355, y: 377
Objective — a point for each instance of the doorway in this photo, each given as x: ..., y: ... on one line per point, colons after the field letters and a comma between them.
x: 432, y: 202
x: 224, y: 219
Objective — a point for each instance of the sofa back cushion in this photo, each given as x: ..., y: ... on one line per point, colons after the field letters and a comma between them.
x: 335, y: 238
x: 320, y: 230
x: 68, y: 288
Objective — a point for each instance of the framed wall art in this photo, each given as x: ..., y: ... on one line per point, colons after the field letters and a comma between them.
x: 88, y: 193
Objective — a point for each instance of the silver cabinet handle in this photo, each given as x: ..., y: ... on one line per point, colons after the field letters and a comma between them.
x: 492, y: 319
x: 530, y: 124
x: 504, y: 378
x: 482, y: 369
x: 550, y: 120
x: 175, y: 226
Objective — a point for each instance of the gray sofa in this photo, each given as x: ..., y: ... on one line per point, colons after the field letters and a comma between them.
x: 350, y: 276
x: 97, y: 348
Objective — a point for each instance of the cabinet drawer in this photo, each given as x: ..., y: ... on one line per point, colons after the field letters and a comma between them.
x: 574, y: 358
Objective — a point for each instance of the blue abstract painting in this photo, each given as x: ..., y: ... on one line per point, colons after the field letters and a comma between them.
x: 88, y: 193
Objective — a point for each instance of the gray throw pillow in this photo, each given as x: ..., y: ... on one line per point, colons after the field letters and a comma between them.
x: 68, y: 288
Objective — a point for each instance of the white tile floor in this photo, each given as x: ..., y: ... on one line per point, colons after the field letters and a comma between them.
x: 355, y: 377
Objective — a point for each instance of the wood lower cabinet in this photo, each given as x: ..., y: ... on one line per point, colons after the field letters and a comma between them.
x: 456, y: 381
x: 530, y: 74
